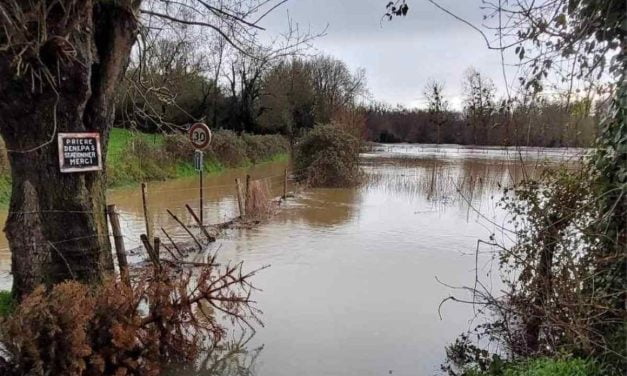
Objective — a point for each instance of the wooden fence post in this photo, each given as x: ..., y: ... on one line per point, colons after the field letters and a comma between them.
x: 285, y: 184
x: 240, y: 203
x: 147, y: 215
x: 157, y: 249
x: 151, y: 252
x: 118, y: 239
x: 247, y: 193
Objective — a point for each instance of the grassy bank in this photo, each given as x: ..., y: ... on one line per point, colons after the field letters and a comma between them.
x: 541, y: 367
x: 134, y: 157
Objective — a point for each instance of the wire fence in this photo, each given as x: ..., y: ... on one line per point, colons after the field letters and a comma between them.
x: 165, y: 210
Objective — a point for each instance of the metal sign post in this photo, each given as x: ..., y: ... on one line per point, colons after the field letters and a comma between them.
x: 200, y: 137
x: 199, y: 166
x: 198, y: 160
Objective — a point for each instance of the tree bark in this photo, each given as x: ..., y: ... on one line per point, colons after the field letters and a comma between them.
x: 57, y: 226
x: 543, y: 283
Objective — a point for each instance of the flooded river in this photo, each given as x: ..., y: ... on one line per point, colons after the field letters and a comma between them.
x: 355, y: 277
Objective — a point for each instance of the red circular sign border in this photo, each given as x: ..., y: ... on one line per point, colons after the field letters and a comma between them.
x: 191, y: 131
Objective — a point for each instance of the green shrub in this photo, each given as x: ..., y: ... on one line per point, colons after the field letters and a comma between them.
x: 327, y: 156
x: 138, y: 160
x: 5, y: 188
x: 538, y: 367
x: 553, y: 367
x: 4, y: 158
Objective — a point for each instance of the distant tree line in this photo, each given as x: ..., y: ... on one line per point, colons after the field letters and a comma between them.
x: 486, y: 120
x: 286, y: 94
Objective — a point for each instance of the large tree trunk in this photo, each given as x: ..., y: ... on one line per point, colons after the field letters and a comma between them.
x: 57, y: 228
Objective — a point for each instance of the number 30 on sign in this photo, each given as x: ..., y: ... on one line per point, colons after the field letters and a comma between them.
x: 200, y: 136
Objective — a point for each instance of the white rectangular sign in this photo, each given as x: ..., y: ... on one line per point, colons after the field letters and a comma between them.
x: 79, y: 152
x: 198, y: 160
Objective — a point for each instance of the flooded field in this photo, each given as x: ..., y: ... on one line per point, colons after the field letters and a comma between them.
x: 356, y: 275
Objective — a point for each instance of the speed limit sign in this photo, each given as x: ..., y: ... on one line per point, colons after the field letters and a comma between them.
x: 200, y: 136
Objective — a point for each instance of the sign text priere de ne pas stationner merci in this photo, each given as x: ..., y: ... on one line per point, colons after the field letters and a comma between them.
x: 79, y: 152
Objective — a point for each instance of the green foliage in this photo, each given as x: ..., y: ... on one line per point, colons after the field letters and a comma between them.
x: 610, y: 257
x: 290, y: 107
x: 301, y: 93
x: 465, y: 358
x: 5, y: 188
x: 563, y: 278
x: 553, y: 367
x: 135, y: 156
x: 138, y: 156
x: 328, y: 156
x: 539, y: 367
x: 6, y: 303
x: 568, y: 270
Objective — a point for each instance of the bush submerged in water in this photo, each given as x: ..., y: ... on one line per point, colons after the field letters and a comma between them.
x: 328, y: 156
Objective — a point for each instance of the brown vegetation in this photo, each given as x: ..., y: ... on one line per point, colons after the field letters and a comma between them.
x: 486, y: 120
x: 258, y: 202
x: 549, y: 124
x: 229, y: 149
x: 166, y: 317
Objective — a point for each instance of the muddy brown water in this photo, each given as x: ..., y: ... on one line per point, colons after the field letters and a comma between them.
x: 356, y: 274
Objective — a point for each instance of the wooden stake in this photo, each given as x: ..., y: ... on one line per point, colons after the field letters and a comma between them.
x: 118, y: 239
x: 247, y: 196
x: 151, y: 252
x: 170, y: 252
x: 173, y: 243
x: 285, y: 184
x: 147, y: 215
x: 240, y: 201
x: 156, y: 249
x: 185, y: 228
x: 199, y: 223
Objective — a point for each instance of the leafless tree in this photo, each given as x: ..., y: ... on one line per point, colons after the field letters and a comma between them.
x: 479, y: 103
x: 437, y: 106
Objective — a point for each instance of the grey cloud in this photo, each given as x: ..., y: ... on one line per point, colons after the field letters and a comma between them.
x: 402, y: 55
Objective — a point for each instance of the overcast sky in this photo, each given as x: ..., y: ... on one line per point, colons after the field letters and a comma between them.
x: 402, y: 55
